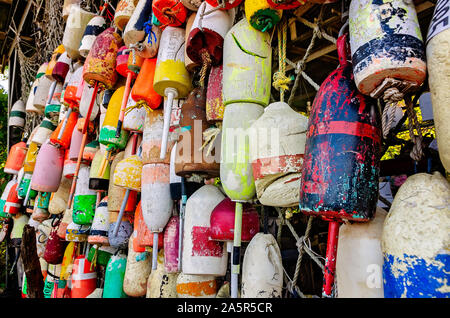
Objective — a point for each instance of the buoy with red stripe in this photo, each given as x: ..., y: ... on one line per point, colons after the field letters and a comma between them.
x: 137, y: 271
x: 196, y: 286
x: 98, y: 234
x: 341, y: 162
x: 201, y: 255
x: 386, y: 46
x: 170, y: 13
x: 160, y: 283
x: 114, y: 277
x: 16, y: 158
x: 277, y: 145
x: 205, y: 41
x: 171, y: 79
x: 4, y: 196
x: 95, y: 26
x: 75, y: 26
x: 262, y: 268
x: 134, y: 31
x: 359, y: 264
x: 84, y: 280
x: 48, y: 169
x: 229, y: 4
x: 438, y: 72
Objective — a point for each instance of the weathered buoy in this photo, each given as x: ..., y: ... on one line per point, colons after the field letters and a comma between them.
x: 98, y: 234
x: 116, y: 194
x: 170, y: 13
x: 58, y: 200
x: 196, y: 286
x: 415, y: 239
x: 386, y: 43
x: 16, y: 158
x: 438, y: 74
x: 85, y: 102
x: 84, y: 199
x: 123, y: 13
x: 171, y: 245
x: 134, y: 31
x: 13, y: 203
x: 29, y: 107
x: 44, y: 131
x: 201, y: 255
x: 191, y: 158
x: 137, y: 271
x: 341, y: 161
x: 262, y: 269
x: 75, y: 25
x: 55, y: 247
x: 41, y: 93
x: 53, y: 107
x: 76, y: 232
x: 359, y: 261
x: 188, y: 63
x: 114, y: 276
x: 84, y: 280
x: 207, y: 34
x: 95, y: 26
x: 97, y: 181
x: 65, y: 221
x: 171, y: 79
x: 214, y: 95
x: 48, y: 169
x: 277, y: 145
x: 160, y: 283
x: 134, y: 117
x: 152, y: 138
x: 17, y: 115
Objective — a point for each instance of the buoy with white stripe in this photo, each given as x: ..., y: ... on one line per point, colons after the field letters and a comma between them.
x: 386, y: 46
x: 84, y: 199
x: 134, y: 31
x: 44, y: 131
x: 277, y: 145
x: 84, y: 280
x: 205, y: 41
x: 73, y: 33
x: 114, y: 277
x: 29, y: 107
x: 16, y: 158
x: 359, y: 264
x: 196, y: 286
x: 95, y: 26
x: 171, y: 80
x: 201, y: 255
x: 341, y: 161
x: 13, y: 203
x: 48, y: 169
x: 262, y: 269
x: 160, y: 283
x: 128, y: 65
x: 438, y: 73
x: 415, y: 240
x: 261, y: 15
x: 17, y: 115
x: 98, y: 234
x: 155, y: 200
x: 137, y: 271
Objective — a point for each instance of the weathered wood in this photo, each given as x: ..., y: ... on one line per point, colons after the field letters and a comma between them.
x: 31, y: 264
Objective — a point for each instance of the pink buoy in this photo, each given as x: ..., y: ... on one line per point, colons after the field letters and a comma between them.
x: 171, y: 245
x: 48, y: 169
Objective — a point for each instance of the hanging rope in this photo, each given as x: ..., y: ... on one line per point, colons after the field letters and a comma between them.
x: 280, y: 80
x: 413, y: 123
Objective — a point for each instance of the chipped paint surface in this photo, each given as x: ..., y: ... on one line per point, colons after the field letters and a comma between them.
x: 128, y: 173
x: 114, y: 277
x: 262, y: 270
x: 196, y: 286
x: 416, y: 239
x: 341, y: 162
x: 160, y: 283
x: 438, y: 55
x: 137, y: 272
x: 386, y: 41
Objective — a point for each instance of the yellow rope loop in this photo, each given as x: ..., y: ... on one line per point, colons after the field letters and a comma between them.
x: 210, y: 135
x: 138, y: 105
x: 280, y: 80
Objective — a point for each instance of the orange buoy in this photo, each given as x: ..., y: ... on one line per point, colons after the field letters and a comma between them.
x: 16, y: 158
x: 143, y: 92
x: 169, y: 12
x: 84, y: 280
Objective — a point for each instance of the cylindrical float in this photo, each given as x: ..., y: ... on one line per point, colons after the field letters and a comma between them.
x: 16, y: 158
x: 160, y: 283
x: 114, y: 276
x: 171, y: 245
x: 84, y: 198
x: 98, y: 234
x: 95, y: 26
x: 84, y: 280
x: 137, y: 271
x: 48, y: 169
x: 134, y: 31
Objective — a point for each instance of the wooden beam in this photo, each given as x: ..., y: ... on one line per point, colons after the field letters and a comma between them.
x: 424, y: 6
x: 6, y: 1
x: 300, y: 11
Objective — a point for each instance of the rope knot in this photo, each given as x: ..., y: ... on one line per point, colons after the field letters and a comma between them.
x: 280, y: 81
x: 392, y: 95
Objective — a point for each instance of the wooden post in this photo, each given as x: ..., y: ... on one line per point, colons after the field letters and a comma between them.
x: 31, y: 264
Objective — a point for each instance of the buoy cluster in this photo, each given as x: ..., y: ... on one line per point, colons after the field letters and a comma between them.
x: 159, y: 143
